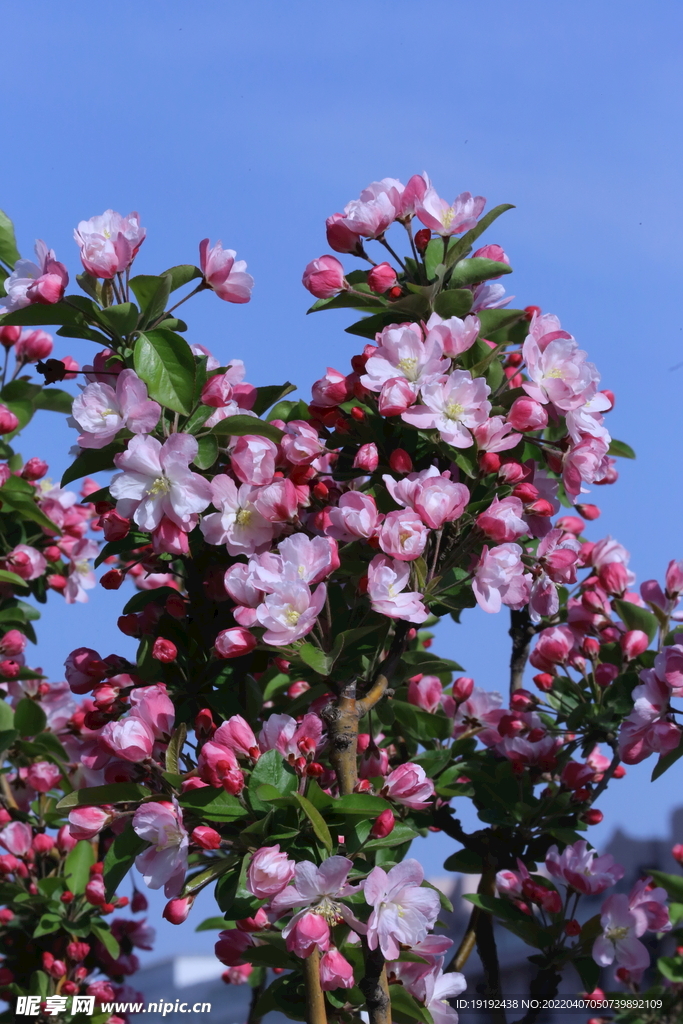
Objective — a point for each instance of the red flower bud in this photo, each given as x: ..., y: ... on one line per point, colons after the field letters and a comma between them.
x: 112, y: 580
x: 400, y: 461
x: 544, y: 681
x: 164, y: 650
x: 381, y: 278
x: 205, y: 837
x: 605, y: 674
x: 634, y: 642
x: 522, y: 700
x: 383, y: 825
x: 176, y: 911
x: 530, y: 310
x: 592, y: 816
x: 422, y: 239
x: 572, y: 927
x: 462, y: 689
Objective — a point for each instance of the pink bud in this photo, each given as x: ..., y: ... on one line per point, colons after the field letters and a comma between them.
x: 330, y: 390
x: 77, y: 951
x: 605, y: 674
x: 34, y: 469
x: 589, y: 512
x: 164, y: 650
x: 217, y: 391
x: 381, y: 278
x: 253, y: 924
x: 65, y: 841
x: 32, y: 346
x: 462, y: 689
x: 335, y: 971
x: 677, y: 852
x: 525, y: 491
x: 8, y: 421
x: 570, y: 524
x: 270, y: 872
x: 541, y: 507
x: 512, y: 472
x: 489, y: 462
x: 115, y: 526
x: 367, y: 458
x: 306, y: 933
x: 176, y: 911
x: 527, y: 414
x: 233, y: 643
x: 324, y: 277
x: 9, y: 336
x: 87, y: 822
x: 6, y: 915
x: 396, y: 396
x: 674, y: 578
x: 206, y: 837
x: 614, y: 577
x: 400, y: 461
x: 42, y: 843
x: 383, y: 825
x: 634, y: 642
x: 522, y: 700
x: 95, y: 892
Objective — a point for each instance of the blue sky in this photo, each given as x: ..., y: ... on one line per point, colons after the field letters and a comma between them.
x: 252, y: 123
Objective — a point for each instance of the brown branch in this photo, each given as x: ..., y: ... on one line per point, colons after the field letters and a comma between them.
x: 342, y: 720
x: 375, y: 986
x: 464, y: 950
x: 256, y: 993
x: 522, y: 631
x: 315, y: 998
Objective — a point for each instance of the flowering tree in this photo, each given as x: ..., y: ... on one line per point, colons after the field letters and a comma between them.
x: 285, y: 731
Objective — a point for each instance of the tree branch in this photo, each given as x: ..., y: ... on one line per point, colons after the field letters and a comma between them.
x: 375, y: 986
x: 522, y: 631
x: 315, y: 998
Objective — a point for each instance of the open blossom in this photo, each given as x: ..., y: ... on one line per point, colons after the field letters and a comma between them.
x: 402, y: 353
x: 355, y: 517
x: 225, y: 274
x: 500, y: 578
x: 269, y: 872
x: 559, y: 373
x: 455, y: 335
x: 502, y: 520
x: 453, y: 405
x: 582, y: 868
x: 109, y: 243
x: 647, y: 729
x: 587, y: 419
x: 439, y: 989
x: 239, y: 525
x: 649, y: 905
x: 335, y: 971
x: 165, y: 862
x: 437, y: 215
x: 409, y: 785
x: 101, y: 411
x: 387, y: 579
x: 26, y: 561
x: 156, y: 481
x: 300, y: 559
x: 237, y: 734
x: 16, y: 838
x: 403, y: 911
x: 290, y: 612
x: 301, y: 443
x: 553, y: 647
x: 81, y: 575
x: 153, y: 705
x: 44, y: 281
x: 619, y: 940
x: 403, y: 535
x: 583, y: 463
x: 131, y: 738
x: 284, y: 733
x: 319, y: 889
x: 434, y: 496
x: 495, y: 435
x: 218, y: 767
x: 368, y: 218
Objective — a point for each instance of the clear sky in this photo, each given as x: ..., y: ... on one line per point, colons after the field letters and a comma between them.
x: 253, y: 122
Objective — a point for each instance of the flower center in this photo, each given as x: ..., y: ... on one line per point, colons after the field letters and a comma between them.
x: 160, y: 486
x: 453, y: 410
x: 292, y: 616
x: 328, y: 909
x: 617, y: 933
x: 82, y: 567
x: 408, y: 366
x: 447, y: 216
x: 244, y: 517
x: 555, y: 373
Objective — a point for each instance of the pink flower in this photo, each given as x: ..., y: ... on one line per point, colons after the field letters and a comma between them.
x: 335, y: 971
x: 368, y: 218
x: 495, y: 435
x: 502, y: 520
x: 544, y: 328
x: 84, y: 669
x: 88, y: 822
x: 16, y: 838
x: 43, y: 775
x: 156, y: 481
x: 619, y: 937
x: 290, y: 612
x: 43, y: 282
x: 647, y: 729
x: 403, y: 912
x: 238, y: 524
x: 222, y: 272
x: 303, y: 560
x: 269, y: 872
x: 131, y: 738
x: 435, y: 497
x: 527, y: 414
x: 387, y: 579
x: 403, y: 535
x: 367, y: 458
x: 452, y: 405
x: 355, y: 518
x: 553, y: 647
x: 238, y: 974
x: 306, y: 932
x: 324, y: 277
x: 341, y: 237
x: 218, y: 767
x: 100, y: 411
x: 109, y: 243
x: 425, y: 692
x: 301, y: 443
x: 381, y: 278
x: 237, y: 734
x: 81, y: 576
x: 233, y: 643
x: 318, y: 892
x: 32, y: 346
x: 649, y: 904
x: 165, y: 862
x: 397, y: 395
x: 500, y: 578
x: 25, y: 561
x: 277, y: 502
x: 285, y: 734
x: 409, y: 785
x: 436, y: 214
x: 177, y: 911
x: 330, y: 390
x: 455, y: 335
x: 253, y: 460
x: 402, y: 353
x: 559, y: 373
x: 583, y: 869
x: 439, y: 989
x: 153, y: 705
x: 583, y: 463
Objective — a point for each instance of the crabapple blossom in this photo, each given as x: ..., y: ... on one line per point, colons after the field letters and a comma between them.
x: 237, y: 734
x: 233, y: 643
x: 437, y: 215
x: 109, y: 243
x: 284, y: 733
x: 88, y: 822
x: 330, y: 390
x: 156, y: 481
x: 335, y: 971
x: 381, y: 278
x: 649, y: 904
x: 270, y: 870
x: 278, y: 501
x: 434, y: 496
x: 527, y: 414
x: 290, y: 612
x: 252, y: 460
x: 439, y: 989
x: 318, y: 891
x: 153, y: 705
x: 500, y: 578
x: 43, y: 282
x: 218, y: 767
x: 165, y: 862
x: 582, y: 464
x: 101, y: 411
x: 42, y: 776
x: 32, y: 346
x: 583, y: 869
x: 131, y: 738
x: 397, y: 395
x: 619, y: 940
x: 324, y: 277
x: 305, y: 933
x: 452, y: 405
x: 559, y: 373
x: 502, y: 520
x: 238, y: 524
x: 387, y: 579
x: 647, y: 729
x: 301, y: 443
x: 225, y: 274
x: 455, y: 335
x: 495, y: 435
x: 25, y: 561
x: 553, y: 647
x: 367, y: 218
x: 409, y: 785
x: 355, y: 517
x: 81, y: 576
x: 401, y: 352
x: 481, y: 709
x: 403, y: 535
x: 425, y: 692
x: 403, y: 911
x: 16, y: 838
x: 367, y: 458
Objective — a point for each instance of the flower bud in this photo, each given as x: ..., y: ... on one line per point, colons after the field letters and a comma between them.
x: 677, y: 852
x: 512, y: 472
x: 253, y: 924
x: 112, y: 580
x: 396, y: 396
x: 9, y: 336
x: 34, y: 469
x: 544, y: 681
x: 633, y: 643
x: 422, y: 239
x: 540, y: 507
x: 115, y: 526
x: 572, y: 928
x: 590, y: 647
x: 8, y: 421
x: 6, y: 915
x: 176, y: 911
x: 605, y: 674
x: 95, y: 892
x: 383, y: 825
x: 233, y: 643
x: 164, y: 650
x: 489, y: 462
x: 330, y: 390
x: 462, y: 689
x: 204, y: 725
x: 589, y: 512
x: 367, y: 458
x: 33, y: 346
x: 522, y: 700
x: 592, y: 816
x: 381, y: 278
x: 527, y: 414
x: 324, y: 277
x: 205, y: 837
x: 400, y: 461
x: 42, y: 843
x: 570, y: 524
x: 525, y: 491
x: 139, y: 902
x: 77, y: 951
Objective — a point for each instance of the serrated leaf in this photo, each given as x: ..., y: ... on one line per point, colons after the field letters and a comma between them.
x: 166, y: 363
x: 267, y: 396
x: 182, y: 274
x: 475, y: 270
x: 152, y: 294
x: 241, y: 426
x: 213, y: 804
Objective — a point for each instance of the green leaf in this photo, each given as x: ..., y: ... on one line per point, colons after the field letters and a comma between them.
x: 635, y: 617
x: 13, y: 497
x: 92, y: 460
x: 77, y: 866
x: 122, y: 319
x: 403, y: 1003
x: 38, y: 315
x: 54, y: 400
x: 182, y: 274
x: 165, y: 362
x: 29, y: 717
x: 665, y: 761
x: 272, y: 770
x: 120, y: 857
x: 621, y: 449
x: 267, y: 396
x: 11, y: 577
x: 152, y: 294
x: 107, y: 939
x: 495, y: 319
x: 316, y: 819
x: 401, y: 833
x: 212, y: 804
x: 475, y: 270
x: 589, y: 972
x: 6, y: 716
x: 431, y: 664
x: 95, y: 796
x: 211, y: 924
x: 7, y: 738
x: 671, y: 967
x: 207, y: 453
x: 9, y: 253
x: 315, y: 659
x: 144, y: 597
x: 175, y: 747
x: 464, y: 861
x: 48, y: 923
x: 453, y: 302
x: 241, y: 425
x: 39, y: 984
x: 363, y: 804
x: 464, y: 244
x: 672, y: 883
